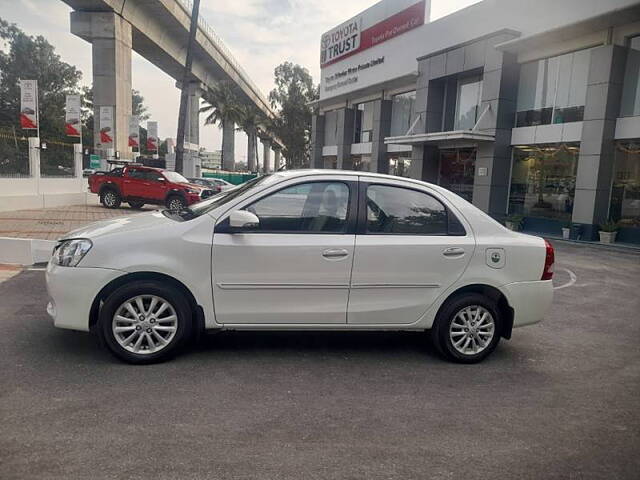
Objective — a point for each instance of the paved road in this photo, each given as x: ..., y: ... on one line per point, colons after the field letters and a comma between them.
x: 558, y: 401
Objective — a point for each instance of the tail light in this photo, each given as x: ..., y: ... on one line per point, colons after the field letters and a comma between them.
x: 549, y: 259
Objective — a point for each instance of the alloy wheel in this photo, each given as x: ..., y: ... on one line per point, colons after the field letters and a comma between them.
x: 472, y: 330
x: 110, y: 199
x: 144, y: 324
x: 176, y: 205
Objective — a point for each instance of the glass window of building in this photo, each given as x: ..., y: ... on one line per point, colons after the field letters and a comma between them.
x: 625, y: 191
x: 553, y: 90
x: 457, y: 170
x: 631, y: 89
x: 543, y: 181
x: 363, y: 123
x: 402, y: 113
x: 331, y: 162
x: 399, y: 164
x: 468, y: 102
x: 359, y: 163
x: 331, y: 128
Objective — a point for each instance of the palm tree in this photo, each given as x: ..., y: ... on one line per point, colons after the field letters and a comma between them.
x: 223, y: 109
x: 250, y: 121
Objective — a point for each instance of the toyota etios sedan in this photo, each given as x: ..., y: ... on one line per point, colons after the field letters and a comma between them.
x: 303, y: 250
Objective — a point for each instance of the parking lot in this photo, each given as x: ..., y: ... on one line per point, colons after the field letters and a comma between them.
x: 560, y: 400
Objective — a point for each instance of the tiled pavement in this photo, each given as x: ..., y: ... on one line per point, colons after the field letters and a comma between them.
x: 51, y: 223
x: 8, y: 271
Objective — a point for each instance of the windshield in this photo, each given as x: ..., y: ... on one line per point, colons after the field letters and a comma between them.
x: 174, y: 177
x: 224, y: 197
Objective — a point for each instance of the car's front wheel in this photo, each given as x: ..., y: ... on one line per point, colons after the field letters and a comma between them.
x: 467, y: 328
x: 145, y: 322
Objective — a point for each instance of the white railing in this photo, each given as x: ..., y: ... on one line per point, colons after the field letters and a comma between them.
x: 187, y: 5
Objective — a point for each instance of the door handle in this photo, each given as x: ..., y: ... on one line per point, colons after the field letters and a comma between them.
x: 335, y: 253
x: 453, y: 252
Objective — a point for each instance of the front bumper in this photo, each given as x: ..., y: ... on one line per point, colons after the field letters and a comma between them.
x: 72, y: 291
x: 530, y: 300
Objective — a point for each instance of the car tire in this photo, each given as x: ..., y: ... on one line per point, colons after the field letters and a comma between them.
x: 162, y: 327
x: 175, y: 203
x: 136, y: 205
x: 110, y: 198
x: 467, y: 328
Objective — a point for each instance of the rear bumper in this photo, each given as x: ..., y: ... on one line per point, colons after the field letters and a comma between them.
x: 72, y: 291
x: 530, y: 300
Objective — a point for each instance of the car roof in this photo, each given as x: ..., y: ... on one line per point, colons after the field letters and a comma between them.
x: 341, y: 173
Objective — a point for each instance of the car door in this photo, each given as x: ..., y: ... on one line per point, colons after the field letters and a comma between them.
x: 155, y: 185
x: 133, y: 183
x: 295, y: 266
x: 410, y: 248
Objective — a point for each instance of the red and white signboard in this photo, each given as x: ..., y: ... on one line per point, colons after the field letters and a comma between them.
x: 134, y: 131
x: 72, y: 124
x: 29, y: 104
x: 152, y: 136
x: 106, y: 126
x: 382, y: 22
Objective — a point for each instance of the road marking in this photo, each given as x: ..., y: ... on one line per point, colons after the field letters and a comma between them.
x: 572, y: 279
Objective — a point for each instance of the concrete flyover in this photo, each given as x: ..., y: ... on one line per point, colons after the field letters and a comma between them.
x: 158, y: 30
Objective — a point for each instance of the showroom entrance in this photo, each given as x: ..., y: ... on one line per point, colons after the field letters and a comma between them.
x: 457, y: 170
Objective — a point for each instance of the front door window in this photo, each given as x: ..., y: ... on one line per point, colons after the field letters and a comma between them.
x: 457, y: 169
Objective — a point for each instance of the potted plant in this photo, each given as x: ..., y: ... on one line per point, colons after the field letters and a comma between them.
x: 514, y: 222
x: 608, y: 231
x: 566, y: 230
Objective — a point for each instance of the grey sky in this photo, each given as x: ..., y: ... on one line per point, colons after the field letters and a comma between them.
x: 260, y: 33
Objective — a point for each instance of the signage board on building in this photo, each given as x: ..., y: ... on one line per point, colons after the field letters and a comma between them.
x: 365, y: 49
x: 106, y: 126
x: 72, y: 125
x: 152, y: 136
x: 29, y: 104
x: 94, y: 161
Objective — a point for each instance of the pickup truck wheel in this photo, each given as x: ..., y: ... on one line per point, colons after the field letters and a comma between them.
x: 136, y: 205
x: 110, y: 198
x: 467, y: 329
x: 176, y: 203
x: 144, y: 322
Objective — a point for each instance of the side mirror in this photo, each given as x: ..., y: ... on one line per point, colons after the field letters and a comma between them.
x: 242, y: 219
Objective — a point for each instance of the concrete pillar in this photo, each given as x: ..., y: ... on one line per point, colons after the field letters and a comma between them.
x: 493, y: 159
x: 425, y: 163
x: 381, y: 130
x: 110, y: 36
x: 276, y: 159
x: 251, y: 151
x: 597, y: 147
x: 266, y: 154
x: 192, y: 127
x: 317, y: 140
x: 77, y: 160
x: 228, y: 146
x: 34, y: 157
x: 344, y: 137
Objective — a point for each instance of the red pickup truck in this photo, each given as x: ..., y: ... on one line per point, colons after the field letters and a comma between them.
x: 138, y: 185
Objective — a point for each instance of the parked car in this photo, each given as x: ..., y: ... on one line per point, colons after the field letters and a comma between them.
x: 139, y: 185
x: 303, y: 250
x: 216, y: 184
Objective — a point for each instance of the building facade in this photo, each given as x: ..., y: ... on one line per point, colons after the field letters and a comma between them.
x: 523, y: 108
x: 212, y: 160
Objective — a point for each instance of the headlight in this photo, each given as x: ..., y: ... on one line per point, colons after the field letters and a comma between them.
x: 69, y: 252
x: 193, y: 191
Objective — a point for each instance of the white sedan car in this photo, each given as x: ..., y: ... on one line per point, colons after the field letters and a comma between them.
x: 303, y: 250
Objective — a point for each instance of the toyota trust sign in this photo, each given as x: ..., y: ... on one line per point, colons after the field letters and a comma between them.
x: 383, y: 21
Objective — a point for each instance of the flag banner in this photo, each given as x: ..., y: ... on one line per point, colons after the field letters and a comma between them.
x: 29, y: 104
x: 134, y: 131
x: 72, y: 125
x: 152, y: 136
x: 106, y: 126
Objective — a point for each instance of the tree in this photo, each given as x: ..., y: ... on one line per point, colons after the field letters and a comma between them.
x: 223, y: 108
x: 294, y: 90
x: 33, y: 58
x: 251, y: 119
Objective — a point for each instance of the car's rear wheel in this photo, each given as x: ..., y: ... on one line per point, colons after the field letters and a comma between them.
x: 467, y: 328
x: 136, y: 205
x: 110, y: 198
x: 175, y: 203
x: 145, y: 322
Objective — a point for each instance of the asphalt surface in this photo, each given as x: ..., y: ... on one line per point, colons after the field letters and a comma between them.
x: 560, y: 400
